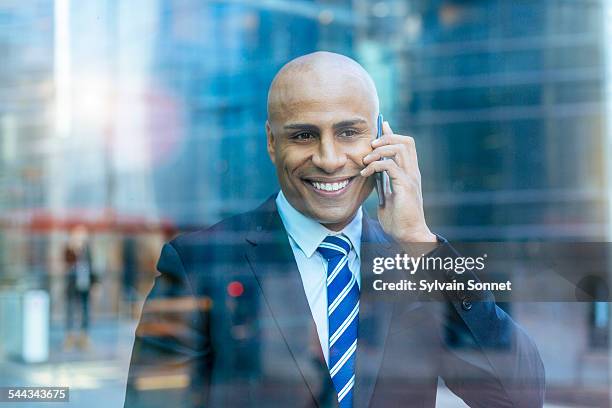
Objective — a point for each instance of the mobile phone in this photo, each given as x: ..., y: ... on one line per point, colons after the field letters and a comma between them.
x: 380, y: 176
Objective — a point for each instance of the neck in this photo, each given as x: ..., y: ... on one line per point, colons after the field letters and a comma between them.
x: 339, y: 226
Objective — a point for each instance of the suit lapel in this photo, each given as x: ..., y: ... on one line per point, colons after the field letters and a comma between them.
x: 374, y: 316
x: 270, y: 256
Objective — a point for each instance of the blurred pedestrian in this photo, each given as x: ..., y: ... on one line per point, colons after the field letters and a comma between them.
x: 79, y: 281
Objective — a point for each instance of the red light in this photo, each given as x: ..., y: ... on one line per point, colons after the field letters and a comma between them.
x: 235, y: 289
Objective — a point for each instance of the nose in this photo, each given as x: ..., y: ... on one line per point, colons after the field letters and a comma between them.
x: 329, y: 157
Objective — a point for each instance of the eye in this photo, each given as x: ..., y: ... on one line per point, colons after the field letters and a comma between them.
x: 302, y: 136
x: 348, y: 133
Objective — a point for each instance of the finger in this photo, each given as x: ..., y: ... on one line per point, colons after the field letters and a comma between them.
x: 386, y: 131
x: 390, y: 166
x: 395, y: 152
x: 387, y: 128
x: 392, y: 138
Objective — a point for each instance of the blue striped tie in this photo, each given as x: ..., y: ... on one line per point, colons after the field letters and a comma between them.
x: 343, y: 316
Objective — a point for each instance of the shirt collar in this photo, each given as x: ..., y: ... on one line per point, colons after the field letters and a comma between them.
x: 308, y: 233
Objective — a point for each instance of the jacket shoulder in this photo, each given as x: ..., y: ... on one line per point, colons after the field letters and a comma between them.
x: 228, y: 232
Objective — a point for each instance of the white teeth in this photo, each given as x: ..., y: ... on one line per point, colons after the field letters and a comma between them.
x: 330, y: 186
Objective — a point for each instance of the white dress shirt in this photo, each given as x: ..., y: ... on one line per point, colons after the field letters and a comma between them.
x: 305, y: 236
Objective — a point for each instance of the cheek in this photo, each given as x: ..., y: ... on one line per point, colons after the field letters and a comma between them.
x: 292, y: 157
x: 358, y: 151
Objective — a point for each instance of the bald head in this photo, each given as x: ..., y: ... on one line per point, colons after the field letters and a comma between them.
x: 316, y: 75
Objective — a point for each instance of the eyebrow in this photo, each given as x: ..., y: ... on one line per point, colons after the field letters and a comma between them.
x: 349, y: 123
x: 301, y: 126
x: 339, y: 125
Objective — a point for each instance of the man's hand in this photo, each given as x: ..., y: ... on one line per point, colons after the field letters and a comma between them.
x: 402, y: 217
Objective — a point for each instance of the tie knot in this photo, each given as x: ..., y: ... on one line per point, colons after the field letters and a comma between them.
x: 334, y: 246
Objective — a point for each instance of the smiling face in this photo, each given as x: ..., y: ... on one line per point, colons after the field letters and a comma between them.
x: 321, y: 119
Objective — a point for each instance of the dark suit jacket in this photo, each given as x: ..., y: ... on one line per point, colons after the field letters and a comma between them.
x: 227, y: 323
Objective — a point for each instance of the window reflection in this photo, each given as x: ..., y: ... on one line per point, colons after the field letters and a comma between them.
x: 137, y: 120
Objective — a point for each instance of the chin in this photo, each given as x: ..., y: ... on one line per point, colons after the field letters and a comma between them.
x: 334, y: 216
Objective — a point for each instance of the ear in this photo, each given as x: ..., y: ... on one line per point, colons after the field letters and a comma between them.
x: 271, y: 147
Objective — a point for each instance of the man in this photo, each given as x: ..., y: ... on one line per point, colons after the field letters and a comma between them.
x: 276, y: 307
